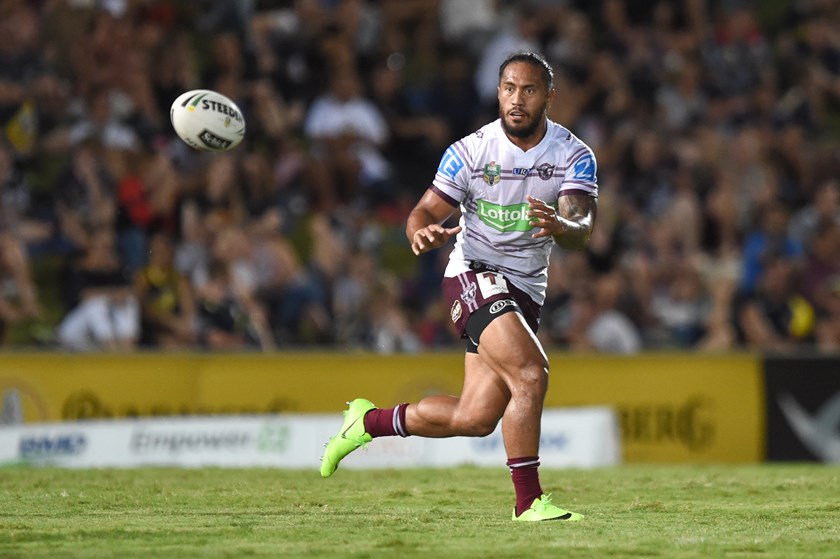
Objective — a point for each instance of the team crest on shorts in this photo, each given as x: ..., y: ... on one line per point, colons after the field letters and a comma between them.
x: 492, y: 173
x: 455, y: 311
x: 468, y: 294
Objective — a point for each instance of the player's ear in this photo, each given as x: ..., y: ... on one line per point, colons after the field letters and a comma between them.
x: 549, y: 97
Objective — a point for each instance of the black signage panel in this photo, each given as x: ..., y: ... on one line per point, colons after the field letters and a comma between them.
x: 803, y: 409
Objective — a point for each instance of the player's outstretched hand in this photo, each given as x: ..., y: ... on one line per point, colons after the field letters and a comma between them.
x: 431, y: 237
x: 545, y: 217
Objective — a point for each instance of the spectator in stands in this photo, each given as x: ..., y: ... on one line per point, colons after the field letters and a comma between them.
x: 680, y: 98
x: 103, y: 313
x: 390, y: 328
x: 223, y: 321
x: 573, y: 46
x: 175, y: 68
x: 568, y: 275
x: 352, y: 290
x: 824, y: 206
x: 409, y: 26
x: 266, y: 203
x: 99, y: 122
x: 19, y: 300
x: 453, y: 96
x: 148, y: 195
x: 821, y: 269
x: 218, y: 199
x: 681, y: 309
x: 21, y: 68
x: 348, y: 133
x: 468, y: 22
x: 520, y: 33
x: 598, y: 324
x: 701, y: 115
x: 828, y: 325
x: 17, y: 204
x: 749, y: 168
x: 231, y: 67
x: 272, y: 118
x: 417, y: 135
x: 768, y: 237
x: 736, y: 57
x: 167, y: 302
x: 250, y: 268
x: 85, y: 194
x: 19, y: 297
x: 192, y: 248
x: 294, y: 301
x: 774, y: 315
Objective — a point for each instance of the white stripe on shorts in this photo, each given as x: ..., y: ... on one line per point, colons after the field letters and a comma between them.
x: 472, y: 306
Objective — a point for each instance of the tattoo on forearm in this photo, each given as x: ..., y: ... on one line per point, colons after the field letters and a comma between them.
x: 578, y: 216
x: 571, y: 207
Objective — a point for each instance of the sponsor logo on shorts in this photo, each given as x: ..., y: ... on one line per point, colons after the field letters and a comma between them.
x: 491, y: 283
x: 455, y: 312
x: 497, y: 307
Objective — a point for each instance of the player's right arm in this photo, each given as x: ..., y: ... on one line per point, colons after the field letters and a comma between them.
x: 424, y: 229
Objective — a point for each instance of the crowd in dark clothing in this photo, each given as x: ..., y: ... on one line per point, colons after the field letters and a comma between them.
x: 716, y: 125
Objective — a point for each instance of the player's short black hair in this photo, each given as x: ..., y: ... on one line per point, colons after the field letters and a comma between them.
x: 535, y: 59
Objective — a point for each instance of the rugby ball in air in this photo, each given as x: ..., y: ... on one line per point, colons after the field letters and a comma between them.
x: 207, y: 120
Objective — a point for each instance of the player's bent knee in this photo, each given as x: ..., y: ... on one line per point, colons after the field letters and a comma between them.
x: 531, y: 378
x: 475, y: 427
x: 480, y: 429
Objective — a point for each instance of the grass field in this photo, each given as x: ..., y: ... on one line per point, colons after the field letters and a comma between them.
x: 670, y: 512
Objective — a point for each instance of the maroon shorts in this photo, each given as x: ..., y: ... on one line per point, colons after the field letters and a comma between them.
x: 469, y: 291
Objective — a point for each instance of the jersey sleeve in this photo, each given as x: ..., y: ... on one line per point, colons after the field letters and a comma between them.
x: 452, y: 178
x: 581, y: 171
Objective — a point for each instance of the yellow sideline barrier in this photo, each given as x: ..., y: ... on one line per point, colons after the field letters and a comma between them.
x: 672, y: 407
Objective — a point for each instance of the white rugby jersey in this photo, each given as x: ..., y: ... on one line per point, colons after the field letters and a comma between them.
x: 490, y: 178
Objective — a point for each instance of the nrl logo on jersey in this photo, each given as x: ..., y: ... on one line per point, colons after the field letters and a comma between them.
x: 492, y: 173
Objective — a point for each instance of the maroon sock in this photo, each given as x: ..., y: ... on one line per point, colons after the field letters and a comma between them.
x: 526, y: 481
x: 386, y: 422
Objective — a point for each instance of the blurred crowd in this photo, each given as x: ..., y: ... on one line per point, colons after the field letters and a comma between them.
x: 716, y: 125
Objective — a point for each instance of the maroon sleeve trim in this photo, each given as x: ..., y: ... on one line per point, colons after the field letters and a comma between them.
x: 446, y: 197
x: 576, y: 191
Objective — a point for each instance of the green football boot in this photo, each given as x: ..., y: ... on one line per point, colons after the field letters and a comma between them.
x: 543, y: 509
x: 351, y: 436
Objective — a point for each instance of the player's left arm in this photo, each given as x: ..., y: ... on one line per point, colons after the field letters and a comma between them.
x: 570, y: 224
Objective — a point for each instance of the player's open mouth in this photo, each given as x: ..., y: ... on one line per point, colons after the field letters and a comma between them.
x: 517, y: 115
